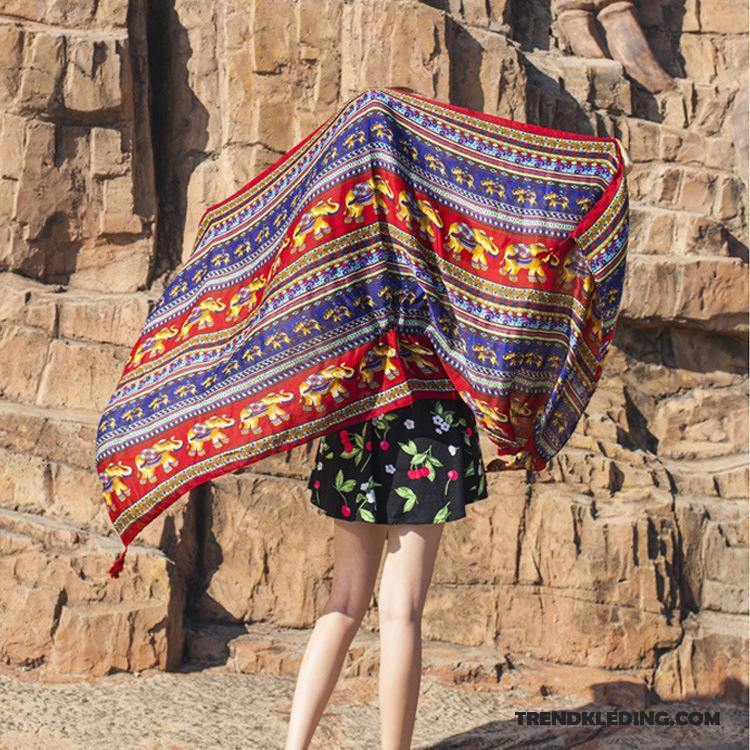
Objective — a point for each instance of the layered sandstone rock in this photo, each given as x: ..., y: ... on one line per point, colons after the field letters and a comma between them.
x: 76, y: 168
x: 120, y: 126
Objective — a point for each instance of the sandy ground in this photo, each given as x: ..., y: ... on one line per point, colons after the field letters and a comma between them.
x: 211, y: 707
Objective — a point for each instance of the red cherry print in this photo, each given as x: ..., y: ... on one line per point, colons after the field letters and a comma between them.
x: 346, y: 511
x: 413, y: 473
x: 344, y: 434
x: 316, y: 484
x: 469, y: 431
x: 424, y: 471
x: 384, y: 445
x: 368, y: 445
x: 453, y: 474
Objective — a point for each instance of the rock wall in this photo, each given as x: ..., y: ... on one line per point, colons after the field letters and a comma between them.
x: 122, y: 121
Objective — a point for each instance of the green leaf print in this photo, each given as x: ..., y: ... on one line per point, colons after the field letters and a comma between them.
x: 421, y: 459
x: 366, y: 515
x: 469, y: 470
x: 480, y: 489
x: 410, y: 448
x: 382, y: 424
x: 409, y: 495
x: 344, y: 485
x: 442, y: 514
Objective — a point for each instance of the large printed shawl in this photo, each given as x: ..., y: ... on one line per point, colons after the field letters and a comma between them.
x: 406, y: 248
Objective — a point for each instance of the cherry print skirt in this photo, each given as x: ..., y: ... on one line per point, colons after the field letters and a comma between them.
x: 420, y: 463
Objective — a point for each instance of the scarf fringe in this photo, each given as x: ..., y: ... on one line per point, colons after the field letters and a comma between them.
x: 118, y: 564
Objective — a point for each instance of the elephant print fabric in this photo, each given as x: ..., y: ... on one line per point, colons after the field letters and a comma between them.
x: 405, y: 246
x: 420, y: 463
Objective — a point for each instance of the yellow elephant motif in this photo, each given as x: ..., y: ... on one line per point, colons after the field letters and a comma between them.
x: 428, y: 218
x: 329, y: 381
x: 269, y: 407
x: 584, y: 204
x: 411, y: 208
x: 463, y: 176
x: 519, y: 409
x: 594, y: 319
x: 574, y: 267
x: 532, y: 258
x: 202, y: 316
x: 378, y: 358
x: 522, y: 416
x: 331, y: 154
x: 486, y: 414
x: 278, y: 340
x: 356, y: 137
x: 556, y: 200
x: 313, y: 221
x: 371, y: 192
x: 364, y: 301
x: 158, y: 456
x: 484, y: 353
x: 434, y: 163
x: 407, y: 206
x: 111, y: 479
x: 382, y: 131
x: 524, y: 196
x: 473, y: 240
x: 153, y: 346
x: 492, y: 187
x: 306, y: 327
x: 415, y: 352
x: 338, y: 313
x: 251, y: 353
x: 247, y: 296
x: 212, y: 429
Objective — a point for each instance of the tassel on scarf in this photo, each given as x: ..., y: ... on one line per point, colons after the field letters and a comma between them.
x: 118, y: 564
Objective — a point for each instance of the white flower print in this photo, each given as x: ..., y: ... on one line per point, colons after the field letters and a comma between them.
x: 409, y: 424
x: 442, y: 425
x: 390, y: 468
x: 371, y: 496
x: 364, y: 486
x: 452, y: 449
x: 320, y: 465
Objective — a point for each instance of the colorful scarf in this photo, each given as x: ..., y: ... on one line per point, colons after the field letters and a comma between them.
x: 406, y: 248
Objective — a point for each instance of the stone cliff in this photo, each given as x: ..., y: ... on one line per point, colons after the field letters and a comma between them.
x: 120, y: 123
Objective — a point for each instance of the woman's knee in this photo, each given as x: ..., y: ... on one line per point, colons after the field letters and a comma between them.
x: 405, y: 611
x: 348, y: 602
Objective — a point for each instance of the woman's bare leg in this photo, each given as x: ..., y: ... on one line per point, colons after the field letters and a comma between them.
x: 407, y: 572
x: 358, y: 547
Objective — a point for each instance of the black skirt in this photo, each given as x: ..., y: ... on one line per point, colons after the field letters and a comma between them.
x: 420, y: 463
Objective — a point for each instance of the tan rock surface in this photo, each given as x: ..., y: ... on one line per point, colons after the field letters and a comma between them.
x: 239, y: 695
x: 59, y: 615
